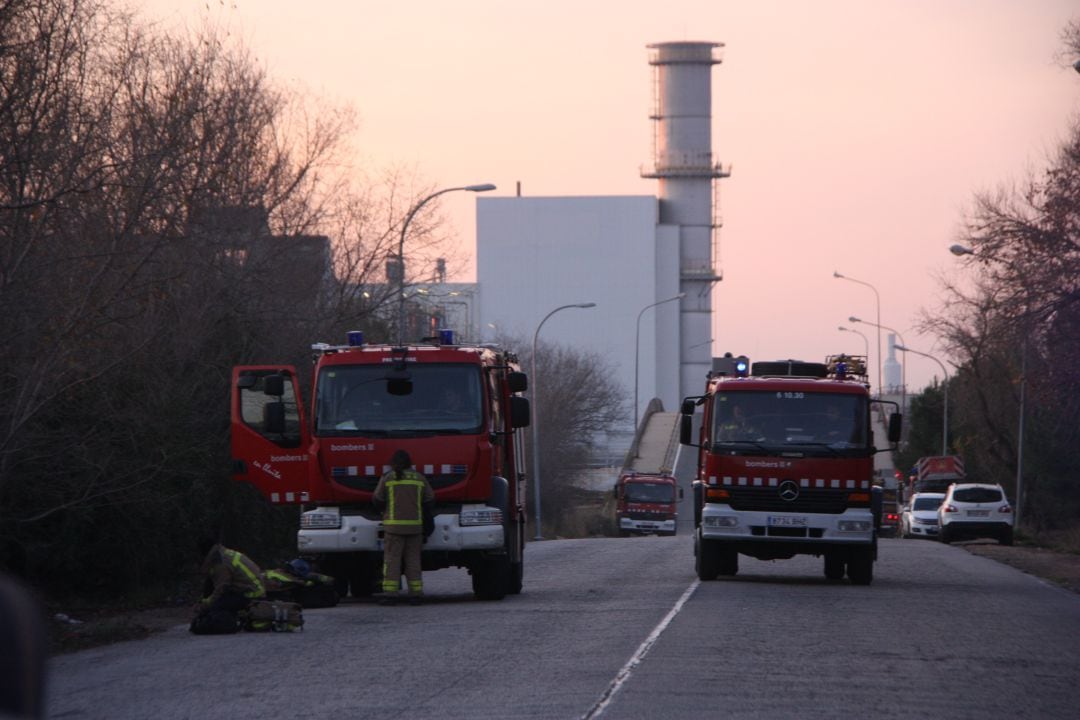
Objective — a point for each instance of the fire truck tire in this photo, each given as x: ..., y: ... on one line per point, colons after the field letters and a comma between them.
x: 944, y: 535
x: 834, y: 566
x: 860, y: 566
x: 707, y: 559
x: 729, y: 561
x: 491, y: 577
x: 1006, y: 537
x: 517, y: 578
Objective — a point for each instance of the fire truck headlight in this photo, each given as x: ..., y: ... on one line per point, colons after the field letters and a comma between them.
x: 320, y: 520
x: 724, y: 521
x: 853, y: 525
x: 480, y: 516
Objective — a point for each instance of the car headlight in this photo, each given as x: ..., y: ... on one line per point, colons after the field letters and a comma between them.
x: 853, y: 525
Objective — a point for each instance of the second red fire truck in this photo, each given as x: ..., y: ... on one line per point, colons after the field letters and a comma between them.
x: 785, y: 465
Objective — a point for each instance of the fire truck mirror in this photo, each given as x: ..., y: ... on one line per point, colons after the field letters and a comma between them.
x: 274, y: 418
x: 686, y: 426
x: 246, y: 381
x: 896, y: 424
x: 519, y: 412
x: 274, y: 385
x: 688, y: 407
x: 517, y: 382
x: 680, y: 493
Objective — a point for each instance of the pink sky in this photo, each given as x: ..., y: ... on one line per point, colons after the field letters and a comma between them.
x: 857, y: 131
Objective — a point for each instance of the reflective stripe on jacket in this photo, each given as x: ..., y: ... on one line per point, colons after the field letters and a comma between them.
x: 404, y: 499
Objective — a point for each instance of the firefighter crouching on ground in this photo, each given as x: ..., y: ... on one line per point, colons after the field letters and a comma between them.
x: 401, y: 495
x: 234, y: 580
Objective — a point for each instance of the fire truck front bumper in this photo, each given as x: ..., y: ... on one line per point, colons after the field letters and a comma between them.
x: 325, y: 530
x: 720, y: 522
x: 646, y: 526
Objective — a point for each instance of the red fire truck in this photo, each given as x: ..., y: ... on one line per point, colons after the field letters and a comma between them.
x: 785, y: 465
x: 646, y: 503
x: 455, y: 409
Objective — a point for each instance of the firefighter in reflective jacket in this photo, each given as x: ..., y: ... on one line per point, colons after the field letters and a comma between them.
x: 234, y: 579
x: 402, y: 494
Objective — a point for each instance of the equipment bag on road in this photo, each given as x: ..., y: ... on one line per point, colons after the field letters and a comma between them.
x: 273, y: 615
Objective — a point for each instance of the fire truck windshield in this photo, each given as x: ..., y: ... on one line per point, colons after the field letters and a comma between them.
x: 353, y: 400
x: 772, y: 419
x: 649, y: 493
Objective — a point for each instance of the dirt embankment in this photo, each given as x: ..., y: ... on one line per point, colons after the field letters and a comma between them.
x: 1059, y: 568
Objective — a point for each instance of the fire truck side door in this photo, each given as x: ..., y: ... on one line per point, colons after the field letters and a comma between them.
x: 269, y: 437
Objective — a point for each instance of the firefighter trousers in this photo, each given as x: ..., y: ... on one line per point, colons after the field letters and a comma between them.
x: 398, y: 550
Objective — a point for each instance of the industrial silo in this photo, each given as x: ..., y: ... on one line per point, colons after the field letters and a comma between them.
x: 687, y: 170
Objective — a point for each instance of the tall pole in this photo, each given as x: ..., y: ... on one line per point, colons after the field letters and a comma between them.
x: 401, y: 247
x: 637, y: 349
x: 536, y: 412
x: 877, y: 298
x: 1020, y: 434
x: 945, y: 411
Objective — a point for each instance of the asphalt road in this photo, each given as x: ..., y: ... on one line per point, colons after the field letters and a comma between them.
x: 621, y: 629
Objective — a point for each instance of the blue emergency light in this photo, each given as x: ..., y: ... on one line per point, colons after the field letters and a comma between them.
x: 356, y: 338
x: 446, y: 337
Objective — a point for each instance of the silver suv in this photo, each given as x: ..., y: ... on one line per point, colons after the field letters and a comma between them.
x: 975, y: 510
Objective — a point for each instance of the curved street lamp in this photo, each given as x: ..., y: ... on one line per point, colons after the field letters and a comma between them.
x: 536, y: 411
x: 866, y: 343
x: 877, y: 297
x: 637, y: 345
x: 945, y: 385
x: 401, y: 247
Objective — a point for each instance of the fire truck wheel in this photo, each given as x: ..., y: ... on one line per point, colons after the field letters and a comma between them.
x: 491, y: 577
x: 860, y: 566
x: 944, y: 535
x: 707, y: 562
x: 517, y: 578
x: 834, y: 566
x: 729, y: 561
x: 1006, y: 537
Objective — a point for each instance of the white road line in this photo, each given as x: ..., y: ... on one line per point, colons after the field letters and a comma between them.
x: 624, y: 674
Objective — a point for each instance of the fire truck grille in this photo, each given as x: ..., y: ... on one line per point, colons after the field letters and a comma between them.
x: 368, y: 482
x: 769, y: 500
x: 646, y: 514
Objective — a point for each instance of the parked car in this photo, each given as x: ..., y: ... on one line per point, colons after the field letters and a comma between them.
x: 975, y: 510
x: 919, y: 518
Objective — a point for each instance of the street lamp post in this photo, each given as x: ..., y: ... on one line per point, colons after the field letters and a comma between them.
x: 637, y: 352
x: 401, y: 247
x: 877, y: 298
x: 903, y: 365
x: 945, y: 410
x: 536, y: 411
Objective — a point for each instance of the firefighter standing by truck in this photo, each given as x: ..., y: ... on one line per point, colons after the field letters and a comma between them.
x: 402, y: 494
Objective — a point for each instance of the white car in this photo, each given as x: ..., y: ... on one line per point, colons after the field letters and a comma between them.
x: 975, y: 510
x: 919, y: 518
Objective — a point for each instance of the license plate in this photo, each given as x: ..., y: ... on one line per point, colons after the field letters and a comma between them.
x: 978, y: 513
x: 795, y: 521
x: 647, y: 526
